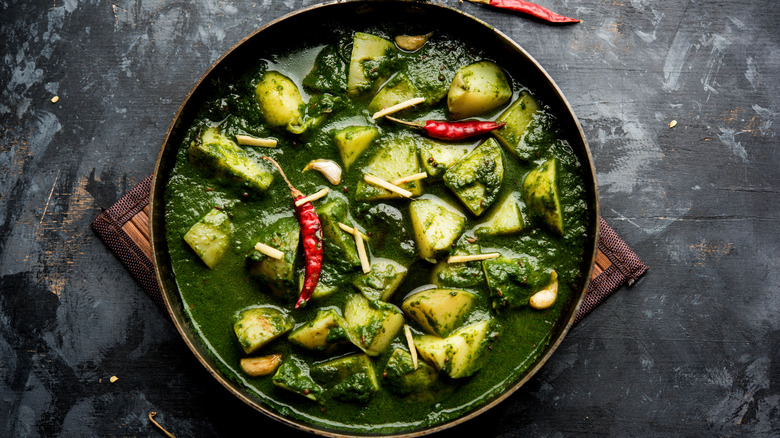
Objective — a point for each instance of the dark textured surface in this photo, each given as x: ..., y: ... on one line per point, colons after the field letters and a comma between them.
x: 692, y: 349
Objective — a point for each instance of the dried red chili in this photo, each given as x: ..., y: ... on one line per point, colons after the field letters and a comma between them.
x: 529, y: 8
x: 311, y: 235
x: 452, y: 130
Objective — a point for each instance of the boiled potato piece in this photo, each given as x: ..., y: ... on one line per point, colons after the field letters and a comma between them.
x: 339, y: 245
x: 460, y: 354
x: 518, y: 118
x: 436, y: 227
x: 540, y: 189
x: 367, y: 64
x: 294, y: 376
x: 372, y: 324
x: 280, y: 100
x: 459, y: 275
x: 477, y: 89
x: 257, y: 326
x: 379, y: 284
x: 329, y: 72
x: 476, y: 179
x: 209, y: 237
x: 513, y: 280
x: 436, y: 157
x: 439, y: 311
x: 396, y: 90
x: 326, y: 330
x: 224, y: 159
x: 350, y: 379
x: 396, y: 159
x: 352, y: 141
x: 278, y: 274
x: 401, y: 377
x: 506, y: 219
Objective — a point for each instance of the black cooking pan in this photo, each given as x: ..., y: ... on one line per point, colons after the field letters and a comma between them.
x: 307, y: 27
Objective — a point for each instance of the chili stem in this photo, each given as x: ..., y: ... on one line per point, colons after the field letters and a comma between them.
x: 151, y: 418
x: 295, y: 192
x: 417, y: 125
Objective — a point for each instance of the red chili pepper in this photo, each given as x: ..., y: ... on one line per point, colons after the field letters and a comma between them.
x: 311, y: 234
x: 529, y: 8
x: 452, y: 130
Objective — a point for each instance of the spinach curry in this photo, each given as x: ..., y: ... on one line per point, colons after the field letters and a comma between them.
x: 418, y: 339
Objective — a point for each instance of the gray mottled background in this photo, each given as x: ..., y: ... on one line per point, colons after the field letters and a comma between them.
x: 693, y: 349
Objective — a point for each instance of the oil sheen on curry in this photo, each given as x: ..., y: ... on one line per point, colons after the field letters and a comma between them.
x: 418, y: 277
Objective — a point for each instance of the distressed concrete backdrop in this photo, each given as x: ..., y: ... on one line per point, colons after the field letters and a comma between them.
x: 693, y: 349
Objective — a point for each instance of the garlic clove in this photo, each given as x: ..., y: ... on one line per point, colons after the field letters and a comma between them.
x: 329, y: 169
x: 545, y: 298
x: 412, y: 42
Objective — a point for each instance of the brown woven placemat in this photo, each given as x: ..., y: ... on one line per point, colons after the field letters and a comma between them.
x: 124, y: 228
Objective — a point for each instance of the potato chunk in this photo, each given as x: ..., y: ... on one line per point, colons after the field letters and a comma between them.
x: 459, y: 275
x: 352, y: 141
x: 350, y: 379
x: 439, y: 311
x: 280, y: 100
x: 436, y: 157
x: 398, y: 89
x: 506, y: 219
x: 327, y: 330
x: 294, y: 376
x: 225, y: 160
x: 379, y: 284
x: 460, y: 354
x: 339, y: 246
x: 476, y: 179
x: 278, y: 274
x: 372, y: 324
x: 518, y: 117
x: 513, y: 280
x: 396, y: 159
x: 257, y: 326
x: 402, y: 378
x: 540, y: 189
x: 477, y: 89
x: 436, y: 227
x: 209, y: 237
x: 368, y: 63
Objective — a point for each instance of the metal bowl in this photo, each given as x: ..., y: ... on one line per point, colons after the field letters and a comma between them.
x: 306, y: 27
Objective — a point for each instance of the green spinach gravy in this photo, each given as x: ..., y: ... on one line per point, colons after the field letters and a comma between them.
x: 516, y: 193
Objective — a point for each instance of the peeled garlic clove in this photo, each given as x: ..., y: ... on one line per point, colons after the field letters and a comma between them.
x: 329, y: 169
x: 412, y: 42
x: 261, y: 366
x: 546, y: 297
